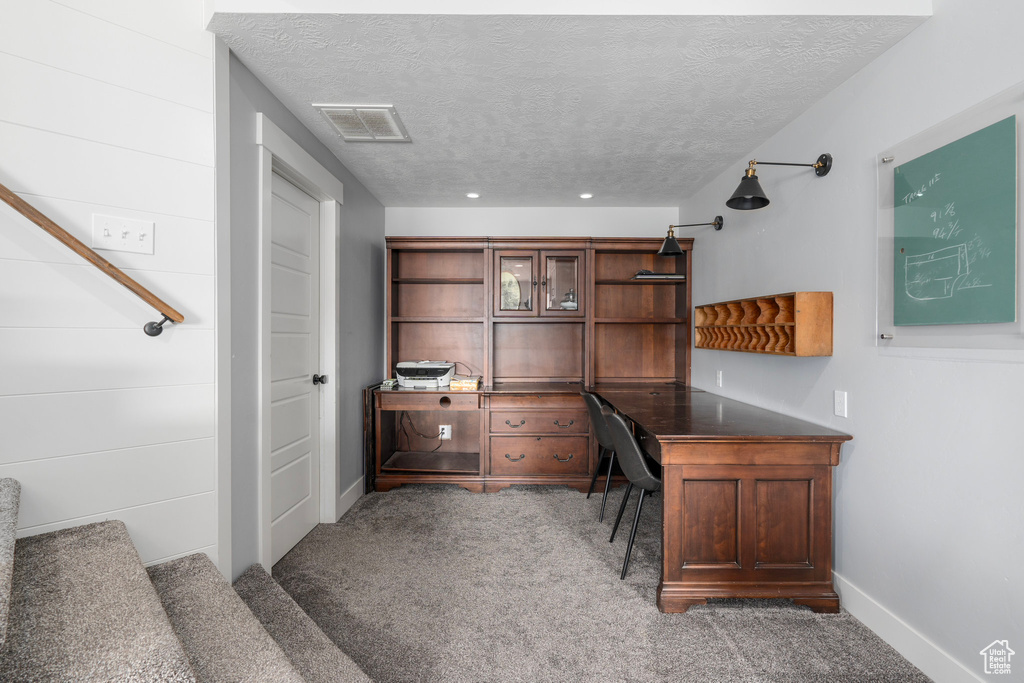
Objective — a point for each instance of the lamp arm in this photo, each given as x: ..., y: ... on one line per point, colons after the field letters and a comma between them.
x: 780, y: 163
x: 717, y: 223
x: 821, y: 167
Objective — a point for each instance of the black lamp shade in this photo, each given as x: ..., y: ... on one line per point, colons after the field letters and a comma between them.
x: 748, y: 195
x: 670, y: 247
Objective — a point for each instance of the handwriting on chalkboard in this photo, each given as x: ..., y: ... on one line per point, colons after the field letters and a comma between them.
x: 937, y: 274
x: 911, y: 196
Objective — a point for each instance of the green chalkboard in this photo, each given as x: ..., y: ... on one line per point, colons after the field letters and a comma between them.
x: 955, y: 229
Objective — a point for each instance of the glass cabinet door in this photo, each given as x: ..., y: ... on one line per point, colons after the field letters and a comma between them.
x: 561, y: 281
x: 517, y: 288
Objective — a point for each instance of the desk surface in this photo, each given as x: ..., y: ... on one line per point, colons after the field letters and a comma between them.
x: 674, y: 412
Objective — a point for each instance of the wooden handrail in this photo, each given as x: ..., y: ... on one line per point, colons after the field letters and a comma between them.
x: 73, y: 243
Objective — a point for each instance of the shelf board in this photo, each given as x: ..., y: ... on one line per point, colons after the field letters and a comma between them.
x: 438, y: 280
x: 640, y: 321
x: 438, y: 461
x: 539, y: 319
x: 761, y: 351
x: 436, y: 319
x: 734, y: 325
x: 651, y: 281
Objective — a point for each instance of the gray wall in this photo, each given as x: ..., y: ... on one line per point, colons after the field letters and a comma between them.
x: 928, y: 511
x: 360, y: 302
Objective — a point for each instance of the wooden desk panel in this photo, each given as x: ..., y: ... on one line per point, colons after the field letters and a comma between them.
x: 747, y: 497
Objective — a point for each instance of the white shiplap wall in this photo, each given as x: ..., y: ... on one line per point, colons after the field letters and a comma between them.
x: 107, y: 108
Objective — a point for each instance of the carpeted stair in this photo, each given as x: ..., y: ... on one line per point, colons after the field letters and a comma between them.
x: 83, y: 609
x: 78, y: 605
x: 316, y: 657
x: 223, y: 640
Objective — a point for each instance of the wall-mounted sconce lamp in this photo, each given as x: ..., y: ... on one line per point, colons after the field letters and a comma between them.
x: 749, y: 195
x: 670, y: 247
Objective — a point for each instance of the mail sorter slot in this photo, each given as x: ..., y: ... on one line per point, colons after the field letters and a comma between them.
x: 539, y: 422
x: 412, y: 400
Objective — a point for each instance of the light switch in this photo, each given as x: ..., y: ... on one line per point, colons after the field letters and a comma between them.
x: 114, y: 233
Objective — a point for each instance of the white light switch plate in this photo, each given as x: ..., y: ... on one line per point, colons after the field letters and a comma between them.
x: 840, y: 403
x: 114, y: 233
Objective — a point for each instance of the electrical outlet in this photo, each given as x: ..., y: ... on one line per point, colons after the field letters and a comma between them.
x: 446, y: 432
x: 840, y: 403
x: 122, y: 234
x: 718, y: 378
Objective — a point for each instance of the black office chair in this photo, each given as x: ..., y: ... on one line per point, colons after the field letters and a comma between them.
x: 605, y: 449
x: 633, y: 462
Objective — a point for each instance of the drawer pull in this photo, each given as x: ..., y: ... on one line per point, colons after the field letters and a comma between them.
x: 521, y: 423
x: 521, y: 456
x: 560, y: 460
x: 557, y: 424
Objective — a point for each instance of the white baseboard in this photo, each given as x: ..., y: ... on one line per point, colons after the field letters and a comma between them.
x: 935, y: 662
x: 349, y: 498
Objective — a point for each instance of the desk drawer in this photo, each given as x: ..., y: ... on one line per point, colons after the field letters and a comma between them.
x: 538, y: 455
x: 403, y: 400
x: 547, y: 422
x: 555, y: 401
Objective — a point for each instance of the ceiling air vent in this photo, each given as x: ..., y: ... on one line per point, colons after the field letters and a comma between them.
x: 365, y: 123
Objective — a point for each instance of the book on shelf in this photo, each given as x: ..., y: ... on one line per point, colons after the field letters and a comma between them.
x: 648, y: 275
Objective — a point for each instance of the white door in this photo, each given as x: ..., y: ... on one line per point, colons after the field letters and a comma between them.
x: 294, y: 360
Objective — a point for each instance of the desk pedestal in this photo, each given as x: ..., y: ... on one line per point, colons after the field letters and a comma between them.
x: 747, y: 519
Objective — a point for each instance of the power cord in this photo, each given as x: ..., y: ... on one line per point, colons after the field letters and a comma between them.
x: 403, y: 418
x: 465, y: 365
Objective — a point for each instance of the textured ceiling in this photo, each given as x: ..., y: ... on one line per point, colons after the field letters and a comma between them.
x: 534, y: 110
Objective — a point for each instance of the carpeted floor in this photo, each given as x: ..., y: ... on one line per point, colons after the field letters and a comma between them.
x: 433, y: 583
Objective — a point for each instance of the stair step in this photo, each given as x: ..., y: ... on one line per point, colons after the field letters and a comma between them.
x: 222, y: 638
x: 312, y: 653
x: 83, y: 609
x: 10, y: 495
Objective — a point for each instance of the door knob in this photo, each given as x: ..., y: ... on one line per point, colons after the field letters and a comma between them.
x: 319, y: 379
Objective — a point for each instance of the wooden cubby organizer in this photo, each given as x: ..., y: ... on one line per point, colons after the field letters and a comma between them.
x: 538, y: 319
x: 793, y: 324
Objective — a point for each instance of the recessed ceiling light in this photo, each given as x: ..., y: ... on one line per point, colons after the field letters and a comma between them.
x: 586, y: 195
x: 473, y: 195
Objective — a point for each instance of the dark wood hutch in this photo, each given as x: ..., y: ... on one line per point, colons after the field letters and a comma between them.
x: 537, y: 319
x: 747, y: 508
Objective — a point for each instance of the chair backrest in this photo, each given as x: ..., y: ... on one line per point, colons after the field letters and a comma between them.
x: 631, y: 457
x: 597, y: 420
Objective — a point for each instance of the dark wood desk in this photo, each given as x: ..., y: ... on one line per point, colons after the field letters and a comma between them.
x: 747, y: 510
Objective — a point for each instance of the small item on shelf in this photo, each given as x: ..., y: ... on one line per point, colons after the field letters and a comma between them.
x: 648, y: 275
x: 465, y: 383
x: 569, y: 302
x: 389, y: 383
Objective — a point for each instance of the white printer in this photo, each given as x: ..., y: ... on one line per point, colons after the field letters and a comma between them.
x: 424, y: 374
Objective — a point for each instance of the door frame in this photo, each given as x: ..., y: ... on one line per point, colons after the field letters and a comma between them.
x: 279, y: 153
